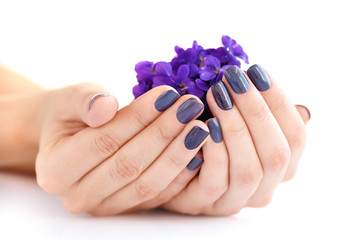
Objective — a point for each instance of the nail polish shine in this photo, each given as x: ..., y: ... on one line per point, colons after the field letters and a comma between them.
x: 259, y: 77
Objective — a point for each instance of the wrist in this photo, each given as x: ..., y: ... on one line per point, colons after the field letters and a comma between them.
x: 20, y: 126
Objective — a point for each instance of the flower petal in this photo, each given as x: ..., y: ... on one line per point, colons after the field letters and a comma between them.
x: 237, y: 50
x: 179, y: 50
x: 159, y: 80
x: 183, y: 72
x: 191, y: 88
x: 202, y: 85
x: 244, y: 57
x: 163, y: 68
x: 194, y: 71
x: 234, y: 61
x: 206, y: 73
x: 140, y: 89
x: 144, y: 66
x: 212, y: 61
x: 226, y: 41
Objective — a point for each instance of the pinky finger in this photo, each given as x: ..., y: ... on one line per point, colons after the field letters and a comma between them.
x: 174, y: 188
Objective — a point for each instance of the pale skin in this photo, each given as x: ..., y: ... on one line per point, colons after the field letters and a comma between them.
x: 106, y: 161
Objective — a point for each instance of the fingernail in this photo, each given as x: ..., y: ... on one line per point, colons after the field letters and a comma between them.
x: 188, y: 110
x: 215, y: 130
x: 308, y: 111
x: 194, y: 163
x: 259, y: 77
x: 222, y: 96
x: 96, y: 96
x: 165, y: 100
x: 237, y: 79
x: 195, y: 137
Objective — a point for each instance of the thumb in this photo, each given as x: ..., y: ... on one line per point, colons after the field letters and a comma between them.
x: 91, y: 104
x: 304, y: 112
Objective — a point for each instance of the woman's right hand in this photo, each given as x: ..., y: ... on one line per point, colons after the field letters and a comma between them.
x: 103, y: 161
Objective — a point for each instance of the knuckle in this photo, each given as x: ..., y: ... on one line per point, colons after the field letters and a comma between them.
x: 278, y: 160
x: 252, y: 176
x: 279, y: 103
x: 236, y: 130
x: 230, y: 212
x: 193, y: 211
x: 49, y: 181
x: 48, y: 184
x: 105, y: 145
x: 139, y: 119
x: 290, y: 174
x: 297, y: 137
x: 261, y: 202
x: 221, y: 211
x: 145, y: 191
x: 215, y: 189
x: 164, y: 134
x: 175, y: 161
x: 98, y: 212
x: 258, y: 110
x: 161, y: 199
x: 124, y: 169
x: 80, y: 206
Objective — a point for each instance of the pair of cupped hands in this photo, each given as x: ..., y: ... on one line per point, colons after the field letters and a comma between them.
x: 154, y: 153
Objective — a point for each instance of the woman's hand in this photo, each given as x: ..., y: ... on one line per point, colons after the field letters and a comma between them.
x: 259, y: 144
x: 103, y: 161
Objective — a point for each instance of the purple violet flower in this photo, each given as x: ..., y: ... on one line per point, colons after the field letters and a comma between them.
x: 145, y: 72
x: 234, y: 48
x: 191, y: 71
x: 189, y: 56
x: 181, y: 82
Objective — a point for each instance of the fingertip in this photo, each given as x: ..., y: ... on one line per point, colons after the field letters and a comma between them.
x: 102, y: 108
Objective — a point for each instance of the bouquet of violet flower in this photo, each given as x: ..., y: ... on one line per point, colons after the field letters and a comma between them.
x: 192, y: 71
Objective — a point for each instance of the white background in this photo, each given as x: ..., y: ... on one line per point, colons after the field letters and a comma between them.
x: 310, y: 47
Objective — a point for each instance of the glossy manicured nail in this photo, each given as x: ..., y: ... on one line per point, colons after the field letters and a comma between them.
x: 165, y: 100
x: 195, y: 137
x: 188, y: 110
x: 96, y: 96
x: 237, y: 79
x: 222, y: 96
x: 259, y: 77
x: 194, y: 163
x: 215, y: 130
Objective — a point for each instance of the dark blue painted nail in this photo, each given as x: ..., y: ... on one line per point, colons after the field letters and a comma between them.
x: 188, y: 110
x: 165, y: 100
x: 215, y: 130
x: 237, y: 79
x: 94, y: 98
x: 222, y: 96
x: 194, y: 163
x: 195, y: 137
x: 259, y: 77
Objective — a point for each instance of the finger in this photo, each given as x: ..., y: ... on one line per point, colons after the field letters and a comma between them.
x: 243, y: 166
x: 137, y: 155
x: 290, y: 122
x: 304, y: 113
x: 76, y: 107
x: 88, y: 147
x: 160, y: 174
x: 89, y: 103
x: 212, y: 182
x: 174, y: 188
x: 271, y: 145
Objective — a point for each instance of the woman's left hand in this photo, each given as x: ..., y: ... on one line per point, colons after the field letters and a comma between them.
x: 263, y: 137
